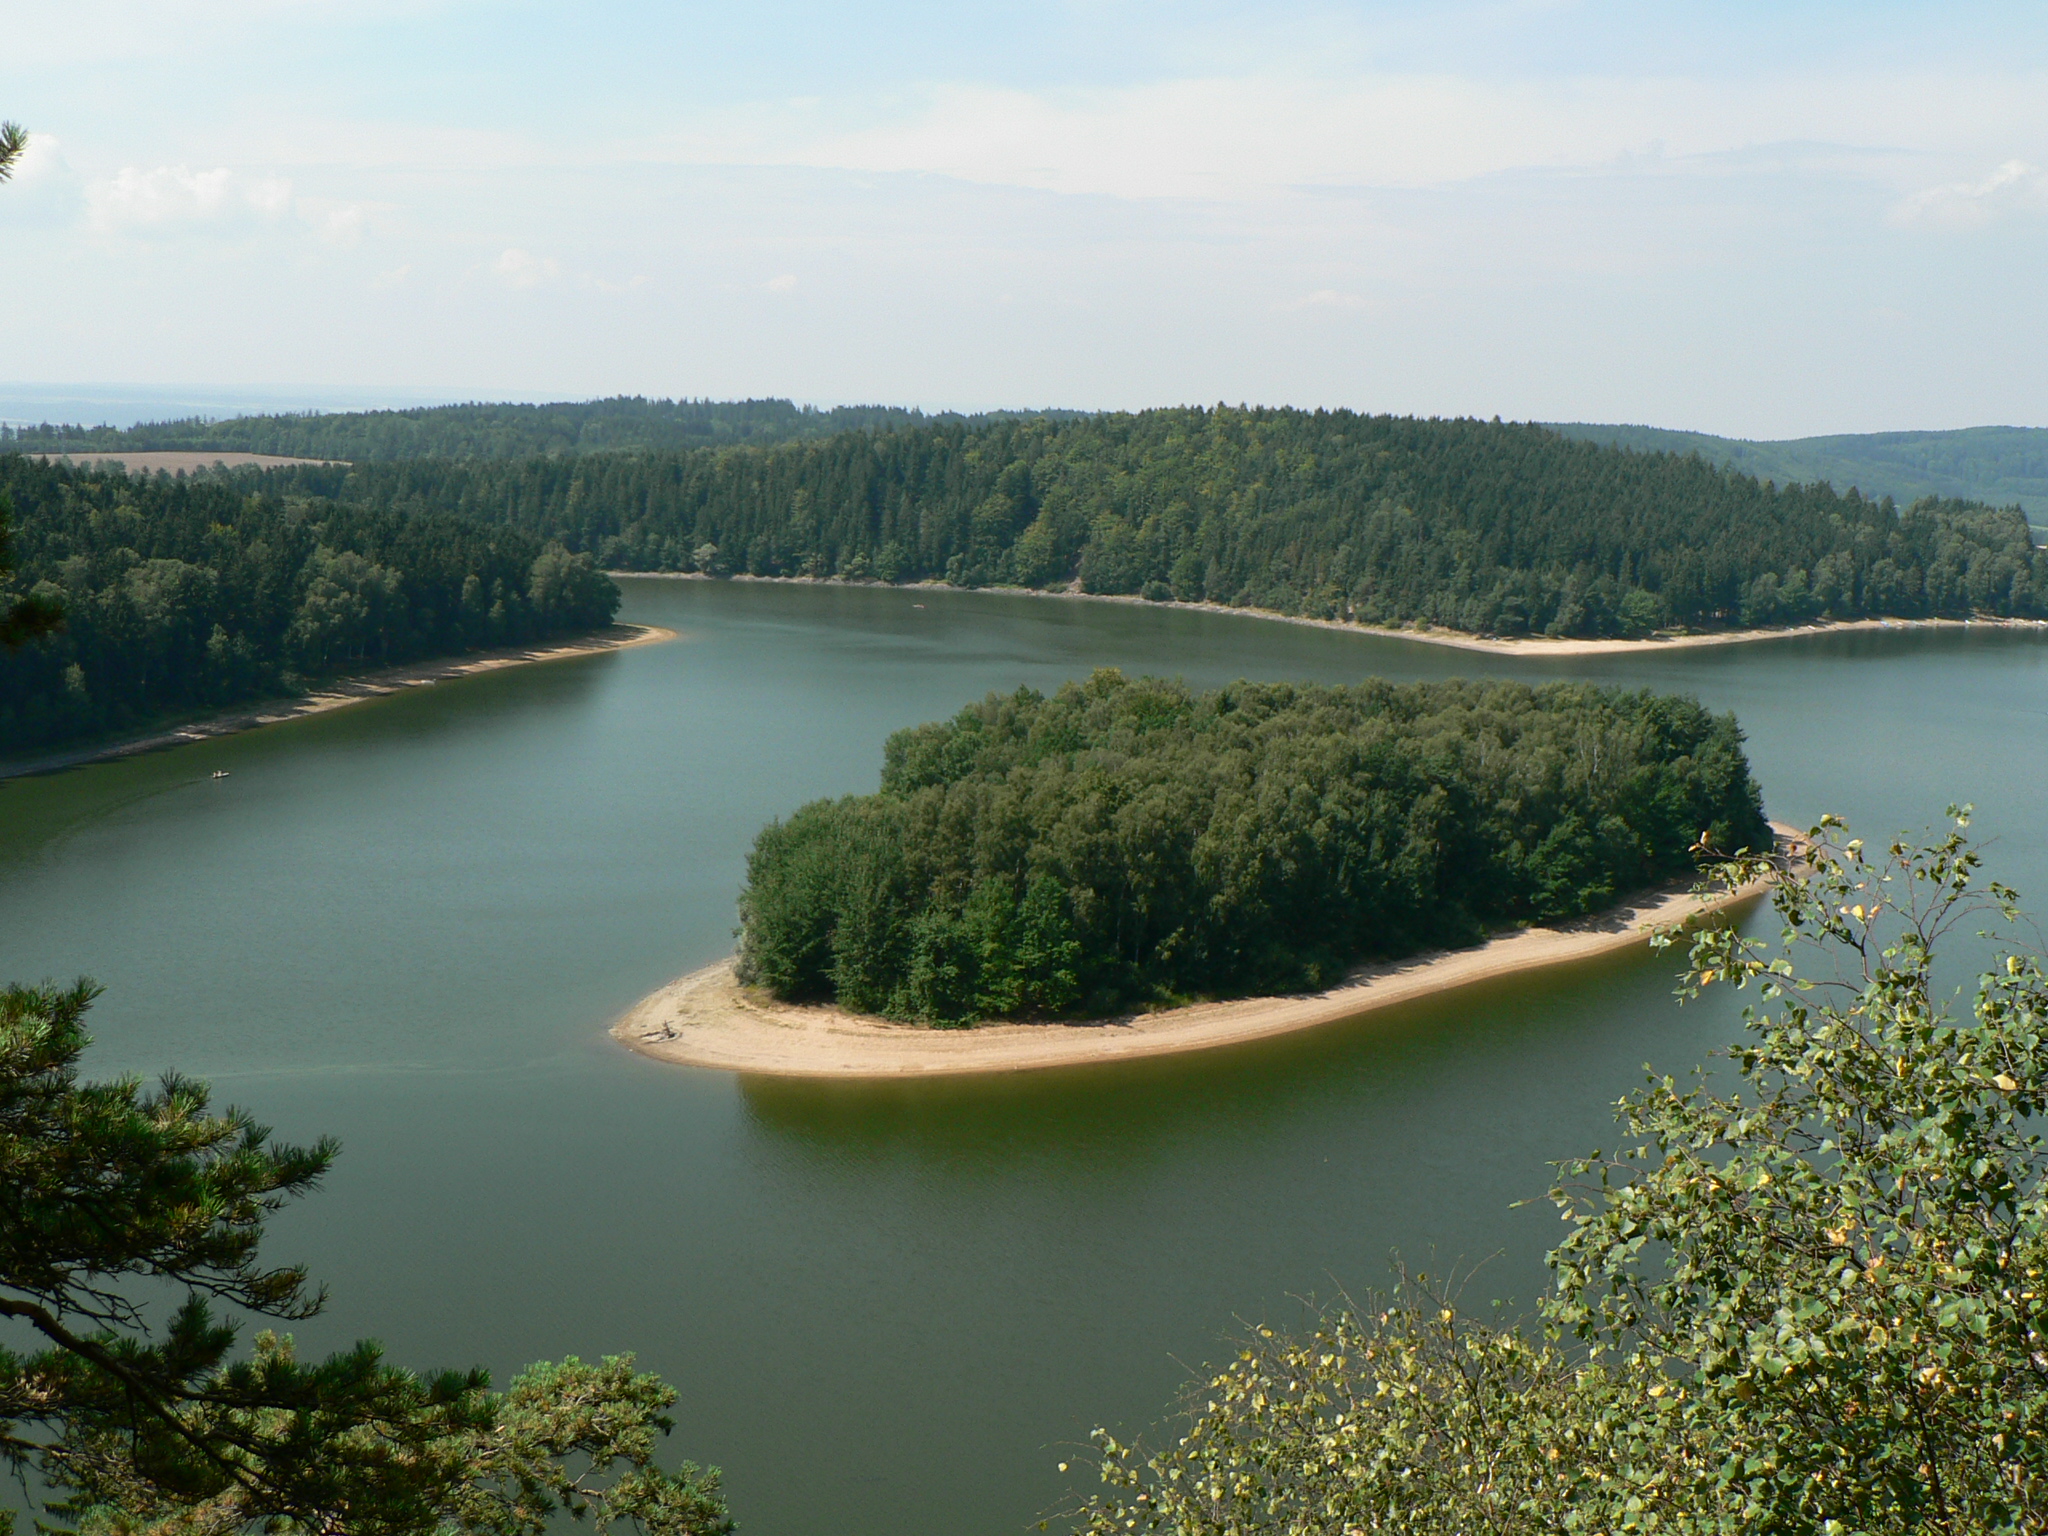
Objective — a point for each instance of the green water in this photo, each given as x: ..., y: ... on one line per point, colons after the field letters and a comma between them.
x: 891, y: 1309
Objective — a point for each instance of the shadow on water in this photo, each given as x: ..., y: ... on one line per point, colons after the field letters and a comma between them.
x: 1502, y: 1064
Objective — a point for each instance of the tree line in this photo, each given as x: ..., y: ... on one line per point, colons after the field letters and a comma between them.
x: 1128, y: 842
x: 1488, y: 527
x: 484, y: 431
x: 187, y: 593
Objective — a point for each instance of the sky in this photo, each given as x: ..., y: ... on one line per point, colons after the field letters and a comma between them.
x: 1767, y: 220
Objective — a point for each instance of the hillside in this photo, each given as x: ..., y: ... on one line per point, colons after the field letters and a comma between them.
x: 1999, y: 466
x: 485, y: 431
x: 1480, y: 526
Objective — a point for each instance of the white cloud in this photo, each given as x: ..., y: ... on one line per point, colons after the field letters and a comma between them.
x: 781, y: 284
x: 337, y: 224
x: 2015, y: 184
x: 523, y: 269
x: 177, y: 194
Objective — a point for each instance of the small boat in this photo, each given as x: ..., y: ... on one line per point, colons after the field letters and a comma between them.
x: 917, y: 605
x: 220, y: 773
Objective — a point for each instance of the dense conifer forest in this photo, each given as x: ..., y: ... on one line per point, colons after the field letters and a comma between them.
x: 1127, y: 842
x: 181, y: 594
x: 485, y: 431
x: 1479, y: 526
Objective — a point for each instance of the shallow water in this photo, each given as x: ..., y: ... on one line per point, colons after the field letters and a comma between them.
x: 891, y: 1308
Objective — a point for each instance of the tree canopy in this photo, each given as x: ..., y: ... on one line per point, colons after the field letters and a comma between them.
x: 1128, y: 842
x: 1805, y: 1296
x: 134, y: 1409
x: 198, y: 592
x: 1481, y: 526
x: 488, y: 431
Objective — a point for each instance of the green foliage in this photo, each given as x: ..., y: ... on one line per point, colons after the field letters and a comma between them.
x: 1124, y: 843
x: 482, y: 431
x: 1472, y: 525
x: 1808, y: 1302
x: 22, y: 618
x: 187, y: 593
x: 1398, y: 1417
x: 144, y: 1425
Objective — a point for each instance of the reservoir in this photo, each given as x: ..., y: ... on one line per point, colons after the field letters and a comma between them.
x: 891, y: 1309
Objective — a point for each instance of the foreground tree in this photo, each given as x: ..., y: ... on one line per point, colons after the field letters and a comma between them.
x: 1812, y: 1304
x: 137, y: 1416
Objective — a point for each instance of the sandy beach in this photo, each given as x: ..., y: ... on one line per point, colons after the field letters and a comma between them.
x: 706, y: 1019
x: 344, y: 692
x: 1527, y: 645
x: 180, y: 461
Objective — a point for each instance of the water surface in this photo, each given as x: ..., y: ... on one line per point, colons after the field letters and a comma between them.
x: 891, y: 1308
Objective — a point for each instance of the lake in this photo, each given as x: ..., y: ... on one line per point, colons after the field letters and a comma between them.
x: 891, y: 1309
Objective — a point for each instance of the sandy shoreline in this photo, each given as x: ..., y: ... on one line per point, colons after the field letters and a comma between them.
x: 1532, y: 645
x: 344, y: 692
x: 706, y: 1019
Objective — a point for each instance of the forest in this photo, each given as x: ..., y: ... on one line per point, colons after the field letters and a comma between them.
x: 1480, y: 526
x: 1126, y: 843
x: 190, y: 593
x: 485, y: 431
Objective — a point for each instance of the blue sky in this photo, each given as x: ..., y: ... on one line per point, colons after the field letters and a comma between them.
x: 1767, y: 220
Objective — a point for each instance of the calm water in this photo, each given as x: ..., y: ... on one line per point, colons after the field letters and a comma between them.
x: 890, y: 1309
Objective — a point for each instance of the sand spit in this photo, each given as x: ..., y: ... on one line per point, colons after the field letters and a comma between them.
x: 347, y: 691
x: 179, y: 461
x: 1528, y: 645
x: 706, y: 1019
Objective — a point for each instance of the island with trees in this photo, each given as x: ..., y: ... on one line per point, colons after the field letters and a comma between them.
x: 1128, y: 844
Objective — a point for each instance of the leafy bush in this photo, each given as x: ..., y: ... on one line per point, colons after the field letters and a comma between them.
x: 1811, y: 1305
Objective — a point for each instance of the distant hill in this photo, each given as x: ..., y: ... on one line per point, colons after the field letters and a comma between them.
x: 625, y: 423
x: 1998, y: 466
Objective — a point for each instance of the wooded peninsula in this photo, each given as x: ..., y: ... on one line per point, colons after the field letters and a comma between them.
x: 1132, y: 843
x: 205, y: 591
x: 1486, y: 527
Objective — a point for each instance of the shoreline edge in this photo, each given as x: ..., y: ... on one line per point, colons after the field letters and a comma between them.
x: 339, y: 693
x: 707, y: 1019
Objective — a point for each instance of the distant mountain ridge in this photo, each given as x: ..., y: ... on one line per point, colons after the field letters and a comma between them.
x: 481, y: 430
x: 1999, y: 466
